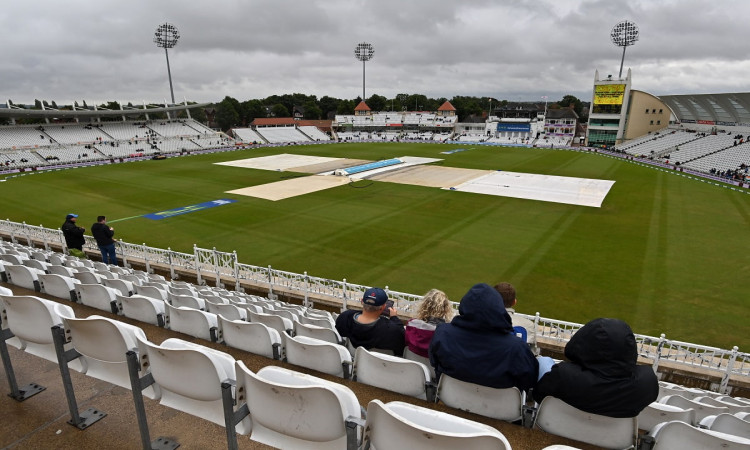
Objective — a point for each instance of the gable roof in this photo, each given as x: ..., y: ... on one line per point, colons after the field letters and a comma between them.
x: 447, y: 107
x: 362, y: 106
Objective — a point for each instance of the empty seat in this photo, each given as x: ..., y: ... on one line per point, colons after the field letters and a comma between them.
x: 557, y: 417
x: 22, y: 276
x: 98, y: 296
x: 61, y: 270
x: 380, y: 370
x: 311, y: 353
x: 314, y: 331
x: 36, y: 264
x: 278, y: 323
x: 502, y: 404
x: 253, y: 337
x: 142, y: 308
x: 58, y: 286
x: 732, y: 406
x: 306, y: 412
x: 402, y: 425
x: 229, y: 311
x: 727, y: 423
x: 411, y: 356
x: 186, y: 301
x: 86, y: 277
x: 151, y: 291
x: 701, y: 409
x: 679, y: 435
x: 125, y: 287
x: 657, y: 413
x: 193, y: 322
x: 317, y: 321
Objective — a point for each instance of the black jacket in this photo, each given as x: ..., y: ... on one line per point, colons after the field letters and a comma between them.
x: 384, y: 333
x: 601, y: 376
x: 479, y: 345
x: 102, y: 234
x: 73, y: 235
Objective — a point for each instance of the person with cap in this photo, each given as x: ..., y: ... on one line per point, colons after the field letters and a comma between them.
x: 103, y: 234
x: 376, y: 326
x: 479, y: 345
x: 73, y: 233
x: 601, y: 374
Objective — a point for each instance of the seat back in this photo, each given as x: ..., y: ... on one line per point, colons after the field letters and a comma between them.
x: 701, y: 409
x: 313, y: 331
x: 98, y: 296
x: 306, y: 412
x: 502, y: 404
x: 557, y: 417
x: 253, y: 337
x: 193, y: 322
x: 61, y: 270
x: 151, y: 291
x: 86, y: 277
x: 278, y: 323
x: 411, y: 356
x: 729, y: 424
x: 657, y: 413
x: 142, y: 308
x: 401, y: 425
x: 187, y: 301
x: 679, y: 435
x: 391, y: 372
x: 123, y: 286
x: 317, y: 321
x: 57, y: 286
x: 22, y: 276
x: 31, y: 320
x: 317, y: 355
x: 229, y: 311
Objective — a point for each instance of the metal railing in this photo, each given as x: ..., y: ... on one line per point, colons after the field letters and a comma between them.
x: 225, y: 265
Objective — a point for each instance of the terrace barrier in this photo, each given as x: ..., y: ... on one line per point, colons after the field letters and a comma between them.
x: 211, y: 263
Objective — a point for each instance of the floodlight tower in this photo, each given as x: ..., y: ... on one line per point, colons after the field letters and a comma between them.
x: 166, y: 37
x: 624, y: 34
x: 363, y: 52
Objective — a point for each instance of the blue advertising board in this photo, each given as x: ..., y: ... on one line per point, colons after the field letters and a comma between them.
x: 187, y: 209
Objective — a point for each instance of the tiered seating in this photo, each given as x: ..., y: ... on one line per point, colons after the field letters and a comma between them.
x: 177, y: 145
x: 70, y: 154
x: 20, y: 158
x: 729, y: 159
x: 248, y: 135
x: 661, y: 142
x: 275, y: 135
x: 701, y: 147
x: 74, y: 134
x: 22, y: 137
x: 315, y: 133
x: 214, y: 141
x: 173, y: 129
x: 123, y: 131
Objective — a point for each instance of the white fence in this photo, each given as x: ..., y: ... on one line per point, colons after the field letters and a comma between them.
x: 225, y: 265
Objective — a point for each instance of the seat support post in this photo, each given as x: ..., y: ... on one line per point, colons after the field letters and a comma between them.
x: 16, y: 393
x: 137, y: 385
x: 90, y: 416
x: 231, y: 417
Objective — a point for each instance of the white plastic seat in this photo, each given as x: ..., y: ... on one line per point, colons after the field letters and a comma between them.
x: 656, y: 413
x: 252, y: 308
x: 317, y: 321
x: 286, y: 314
x: 411, y: 356
x: 557, y: 417
x: 229, y: 311
x: 186, y: 301
x: 86, y: 277
x: 181, y: 291
x: 727, y: 423
x: 314, y: 331
x: 393, y: 373
x: 125, y: 287
x: 142, y: 308
x: 402, y: 425
x: 36, y: 264
x: 57, y: 259
x: 278, y: 323
x: 732, y: 406
x: 104, y: 343
x: 61, y: 270
x: 151, y: 291
x: 311, y: 353
x: 189, y: 376
x: 502, y: 404
x: 295, y: 410
x: 253, y: 337
x: 58, y: 286
x: 193, y: 322
x: 680, y: 435
x: 98, y: 296
x: 13, y: 259
x: 22, y: 276
x: 701, y: 409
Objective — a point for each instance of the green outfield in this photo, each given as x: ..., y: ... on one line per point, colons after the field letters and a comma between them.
x: 666, y: 253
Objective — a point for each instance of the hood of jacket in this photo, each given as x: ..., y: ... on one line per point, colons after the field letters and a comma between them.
x: 604, y: 346
x: 482, y: 308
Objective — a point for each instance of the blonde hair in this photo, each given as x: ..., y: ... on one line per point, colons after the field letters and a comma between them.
x: 435, y: 304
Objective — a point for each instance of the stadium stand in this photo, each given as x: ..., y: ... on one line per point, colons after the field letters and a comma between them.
x: 248, y: 135
x: 277, y: 135
x: 314, y: 133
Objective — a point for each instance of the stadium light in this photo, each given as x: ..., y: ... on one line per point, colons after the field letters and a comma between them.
x: 166, y: 37
x: 624, y: 34
x: 363, y: 52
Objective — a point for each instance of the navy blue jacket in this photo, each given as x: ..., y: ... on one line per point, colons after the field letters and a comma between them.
x: 479, y: 345
x: 601, y: 375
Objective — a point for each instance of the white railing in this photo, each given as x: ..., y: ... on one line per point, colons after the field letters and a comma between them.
x: 223, y: 265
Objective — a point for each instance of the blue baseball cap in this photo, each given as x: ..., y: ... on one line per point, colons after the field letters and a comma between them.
x: 375, y: 297
x: 70, y: 216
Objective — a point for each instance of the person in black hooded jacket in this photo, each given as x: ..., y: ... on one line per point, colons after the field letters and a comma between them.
x: 479, y: 345
x: 601, y: 375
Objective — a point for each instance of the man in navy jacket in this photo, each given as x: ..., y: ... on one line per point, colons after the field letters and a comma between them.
x: 479, y: 345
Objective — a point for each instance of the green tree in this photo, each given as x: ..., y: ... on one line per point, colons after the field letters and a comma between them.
x: 251, y: 110
x: 377, y: 103
x: 226, y: 113
x: 312, y: 111
x: 279, y: 110
x: 345, y: 107
x: 572, y: 100
x: 327, y: 105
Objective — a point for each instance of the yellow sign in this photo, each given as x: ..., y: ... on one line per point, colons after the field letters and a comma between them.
x: 609, y: 94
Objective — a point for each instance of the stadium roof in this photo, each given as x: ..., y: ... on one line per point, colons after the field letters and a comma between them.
x: 447, y: 106
x: 19, y: 113
x: 730, y: 107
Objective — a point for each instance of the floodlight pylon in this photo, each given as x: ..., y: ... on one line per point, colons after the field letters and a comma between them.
x: 624, y: 34
x: 364, y: 52
x: 166, y: 37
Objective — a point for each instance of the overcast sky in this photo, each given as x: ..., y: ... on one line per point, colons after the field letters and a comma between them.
x: 510, y: 49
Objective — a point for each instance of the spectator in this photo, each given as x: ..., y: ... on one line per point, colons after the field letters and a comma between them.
x: 508, y: 292
x: 103, y: 234
x: 73, y: 233
x: 434, y: 309
x: 377, y: 326
x: 479, y: 345
x: 601, y: 375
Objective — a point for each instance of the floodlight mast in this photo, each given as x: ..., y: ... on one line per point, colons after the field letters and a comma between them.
x: 166, y: 37
x: 624, y: 34
x: 363, y: 52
